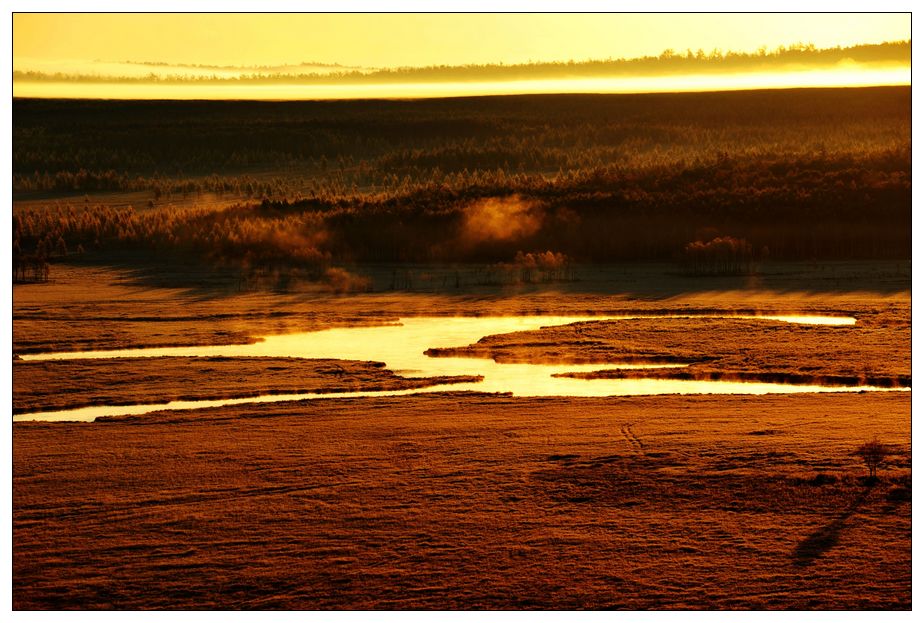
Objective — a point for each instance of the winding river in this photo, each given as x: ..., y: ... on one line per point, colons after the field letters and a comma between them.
x: 401, y: 347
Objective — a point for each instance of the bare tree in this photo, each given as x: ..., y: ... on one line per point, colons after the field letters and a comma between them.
x: 873, y: 454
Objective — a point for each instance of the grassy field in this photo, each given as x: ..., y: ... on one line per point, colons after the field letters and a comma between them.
x: 469, y: 501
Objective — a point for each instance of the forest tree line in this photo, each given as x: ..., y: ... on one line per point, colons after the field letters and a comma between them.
x: 797, y: 209
x: 808, y: 174
x: 670, y: 61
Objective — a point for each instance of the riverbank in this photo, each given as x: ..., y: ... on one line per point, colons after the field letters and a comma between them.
x: 56, y: 385
x: 89, y: 307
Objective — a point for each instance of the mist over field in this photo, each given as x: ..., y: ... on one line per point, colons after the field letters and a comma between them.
x: 670, y: 62
x: 672, y: 70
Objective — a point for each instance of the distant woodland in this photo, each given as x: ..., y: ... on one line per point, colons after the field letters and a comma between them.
x: 788, y: 174
x: 667, y: 63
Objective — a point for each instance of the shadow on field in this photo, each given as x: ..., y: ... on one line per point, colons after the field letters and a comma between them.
x: 827, y: 536
x: 197, y: 282
x: 642, y: 279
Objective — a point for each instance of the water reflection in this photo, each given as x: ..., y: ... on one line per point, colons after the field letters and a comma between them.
x: 401, y: 347
x: 406, y: 339
x: 831, y: 321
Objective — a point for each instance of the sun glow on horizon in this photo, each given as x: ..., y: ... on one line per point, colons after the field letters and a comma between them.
x: 841, y: 77
x: 229, y: 46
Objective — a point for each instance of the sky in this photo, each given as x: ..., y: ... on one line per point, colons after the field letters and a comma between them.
x: 390, y: 40
x: 101, y: 43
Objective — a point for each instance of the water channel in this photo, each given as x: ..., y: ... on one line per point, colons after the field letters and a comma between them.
x: 401, y: 347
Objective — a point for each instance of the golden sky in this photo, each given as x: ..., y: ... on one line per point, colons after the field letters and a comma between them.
x: 389, y: 40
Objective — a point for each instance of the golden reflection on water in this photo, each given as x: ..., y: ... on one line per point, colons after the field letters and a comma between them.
x: 401, y: 347
x: 403, y: 341
x: 619, y: 387
x: 831, y: 321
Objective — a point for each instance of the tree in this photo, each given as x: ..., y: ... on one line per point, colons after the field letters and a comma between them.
x: 873, y: 454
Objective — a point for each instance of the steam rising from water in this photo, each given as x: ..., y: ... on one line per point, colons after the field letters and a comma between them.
x: 499, y: 219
